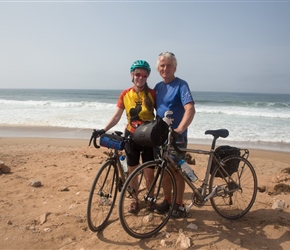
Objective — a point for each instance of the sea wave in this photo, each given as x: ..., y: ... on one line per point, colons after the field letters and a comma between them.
x: 251, y: 112
x: 56, y: 104
x: 250, y: 118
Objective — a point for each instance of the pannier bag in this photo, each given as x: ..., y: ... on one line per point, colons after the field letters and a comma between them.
x: 112, y: 141
x: 231, y: 165
x: 151, y: 133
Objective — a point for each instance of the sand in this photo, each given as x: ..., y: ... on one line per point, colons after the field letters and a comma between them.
x: 53, y: 216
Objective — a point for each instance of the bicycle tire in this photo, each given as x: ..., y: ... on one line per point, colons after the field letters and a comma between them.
x: 102, y: 196
x: 145, y: 223
x: 236, y: 194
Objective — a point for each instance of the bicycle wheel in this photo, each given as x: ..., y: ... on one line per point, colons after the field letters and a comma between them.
x: 146, y: 222
x: 102, y: 196
x: 236, y: 193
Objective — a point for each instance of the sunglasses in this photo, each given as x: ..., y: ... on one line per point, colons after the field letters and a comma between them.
x: 141, y: 75
x: 164, y: 53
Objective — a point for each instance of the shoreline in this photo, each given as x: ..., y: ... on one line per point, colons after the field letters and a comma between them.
x: 84, y: 143
x: 85, y: 134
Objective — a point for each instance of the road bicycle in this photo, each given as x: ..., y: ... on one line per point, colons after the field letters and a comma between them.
x: 230, y: 184
x: 108, y: 181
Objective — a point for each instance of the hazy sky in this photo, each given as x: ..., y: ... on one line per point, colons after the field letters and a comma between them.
x: 235, y: 46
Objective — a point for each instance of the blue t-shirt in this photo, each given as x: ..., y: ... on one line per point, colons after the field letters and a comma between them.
x: 173, y: 96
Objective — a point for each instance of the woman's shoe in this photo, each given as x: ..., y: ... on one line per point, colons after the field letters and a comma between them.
x: 133, y: 208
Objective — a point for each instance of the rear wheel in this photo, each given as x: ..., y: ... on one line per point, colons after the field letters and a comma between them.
x: 236, y: 193
x: 102, y: 196
x: 146, y: 222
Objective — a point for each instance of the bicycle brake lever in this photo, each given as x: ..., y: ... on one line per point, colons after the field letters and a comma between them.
x: 168, y: 120
x: 94, y: 138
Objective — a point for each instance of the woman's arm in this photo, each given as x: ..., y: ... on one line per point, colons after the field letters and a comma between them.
x: 114, y: 119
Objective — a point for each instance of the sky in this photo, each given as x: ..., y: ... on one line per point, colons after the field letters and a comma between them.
x: 225, y: 46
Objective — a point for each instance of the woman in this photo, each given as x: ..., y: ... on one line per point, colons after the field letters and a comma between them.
x: 139, y: 103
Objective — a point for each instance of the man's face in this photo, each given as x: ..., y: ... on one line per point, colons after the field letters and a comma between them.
x: 166, y: 69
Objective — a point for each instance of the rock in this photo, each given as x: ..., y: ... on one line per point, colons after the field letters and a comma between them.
x: 35, y: 183
x: 262, y: 189
x: 165, y: 234
x: 192, y: 226
x: 282, y: 188
x: 163, y: 243
x: 280, y: 205
x: 238, y: 241
x: 146, y: 219
x: 286, y: 170
x: 183, y: 240
x: 3, y: 168
x: 283, y: 177
x: 63, y: 189
x: 43, y: 218
x: 280, y: 178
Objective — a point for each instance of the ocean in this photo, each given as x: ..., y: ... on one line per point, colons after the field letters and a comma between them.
x: 259, y: 121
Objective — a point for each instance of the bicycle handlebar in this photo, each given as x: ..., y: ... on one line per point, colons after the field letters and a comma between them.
x: 97, y: 133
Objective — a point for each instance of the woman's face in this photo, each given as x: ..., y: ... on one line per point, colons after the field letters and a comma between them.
x: 139, y: 77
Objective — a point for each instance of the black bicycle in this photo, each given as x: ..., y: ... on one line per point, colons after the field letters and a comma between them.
x: 109, y: 179
x: 230, y: 184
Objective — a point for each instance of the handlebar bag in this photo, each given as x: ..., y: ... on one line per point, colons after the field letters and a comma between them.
x: 231, y: 166
x: 151, y: 133
x: 112, y: 141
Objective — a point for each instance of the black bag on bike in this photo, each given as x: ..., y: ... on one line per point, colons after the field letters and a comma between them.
x: 231, y: 166
x: 151, y: 133
x: 112, y: 141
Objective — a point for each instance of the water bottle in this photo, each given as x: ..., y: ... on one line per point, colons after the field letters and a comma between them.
x: 188, y: 171
x: 124, y: 163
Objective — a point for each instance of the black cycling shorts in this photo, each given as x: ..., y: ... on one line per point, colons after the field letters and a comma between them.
x: 134, y: 151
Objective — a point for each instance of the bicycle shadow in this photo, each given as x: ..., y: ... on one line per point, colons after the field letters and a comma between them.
x: 260, y: 228
x: 249, y: 232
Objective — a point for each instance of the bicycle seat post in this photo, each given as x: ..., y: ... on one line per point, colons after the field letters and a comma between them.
x: 214, y: 142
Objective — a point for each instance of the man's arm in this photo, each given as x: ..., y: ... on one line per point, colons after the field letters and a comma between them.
x: 187, y: 118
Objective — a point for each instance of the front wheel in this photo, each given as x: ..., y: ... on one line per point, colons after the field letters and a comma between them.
x: 146, y: 222
x: 102, y: 196
x: 236, y: 188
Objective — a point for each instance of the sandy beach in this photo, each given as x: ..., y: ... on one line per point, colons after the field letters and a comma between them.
x: 53, y: 216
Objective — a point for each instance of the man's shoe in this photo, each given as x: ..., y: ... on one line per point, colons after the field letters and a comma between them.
x: 179, y: 211
x: 151, y: 206
x: 163, y: 207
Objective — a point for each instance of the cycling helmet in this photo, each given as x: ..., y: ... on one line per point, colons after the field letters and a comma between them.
x: 140, y: 64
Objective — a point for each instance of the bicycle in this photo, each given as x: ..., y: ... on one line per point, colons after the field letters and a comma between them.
x: 230, y: 183
x: 108, y: 180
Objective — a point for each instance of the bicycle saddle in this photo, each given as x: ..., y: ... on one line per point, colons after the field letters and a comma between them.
x: 218, y: 133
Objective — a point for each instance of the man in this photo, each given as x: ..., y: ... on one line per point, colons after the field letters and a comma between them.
x: 174, y: 94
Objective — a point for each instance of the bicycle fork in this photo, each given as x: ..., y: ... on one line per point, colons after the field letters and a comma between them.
x: 160, y: 174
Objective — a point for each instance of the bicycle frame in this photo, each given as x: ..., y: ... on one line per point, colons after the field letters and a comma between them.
x: 201, y: 193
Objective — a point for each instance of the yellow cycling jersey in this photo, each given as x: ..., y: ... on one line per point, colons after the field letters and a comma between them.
x: 136, y: 110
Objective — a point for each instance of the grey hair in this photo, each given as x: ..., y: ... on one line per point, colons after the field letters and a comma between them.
x: 168, y: 55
